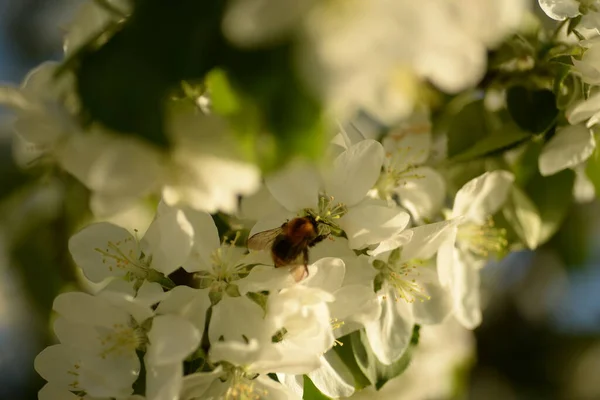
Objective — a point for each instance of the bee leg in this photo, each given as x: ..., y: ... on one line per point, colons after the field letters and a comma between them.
x: 318, y: 239
x: 305, y: 257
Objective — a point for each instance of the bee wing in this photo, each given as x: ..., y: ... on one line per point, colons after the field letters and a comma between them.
x: 263, y: 240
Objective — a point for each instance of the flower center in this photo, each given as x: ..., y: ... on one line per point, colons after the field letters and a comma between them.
x: 404, y: 277
x: 132, y: 261
x: 225, y: 267
x: 482, y: 240
x: 121, y: 339
x: 328, y: 213
x: 243, y: 388
x: 392, y: 178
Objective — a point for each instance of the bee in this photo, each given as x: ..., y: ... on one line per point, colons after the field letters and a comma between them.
x: 289, y: 242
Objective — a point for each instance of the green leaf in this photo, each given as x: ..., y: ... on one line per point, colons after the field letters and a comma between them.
x: 592, y: 170
x: 523, y: 216
x: 311, y: 392
x: 467, y: 127
x: 223, y: 98
x: 533, y: 110
x: 346, y: 352
x: 123, y: 84
x: 377, y: 373
x: 552, y: 196
x: 494, y: 143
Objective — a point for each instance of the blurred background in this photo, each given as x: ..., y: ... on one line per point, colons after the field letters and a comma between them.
x: 541, y: 333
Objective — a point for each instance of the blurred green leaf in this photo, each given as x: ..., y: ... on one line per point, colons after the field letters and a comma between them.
x: 467, y: 127
x: 592, y: 170
x: 493, y: 143
x: 124, y: 83
x: 572, y: 241
x: 533, y: 110
x: 552, y: 196
x: 523, y: 216
x: 346, y: 353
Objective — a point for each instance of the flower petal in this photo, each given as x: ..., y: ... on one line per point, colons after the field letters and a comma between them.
x: 187, y: 302
x: 482, y: 196
x: 296, y: 187
x: 206, y: 240
x: 424, y: 195
x: 234, y: 318
x: 326, y: 274
x: 367, y: 224
x: 86, y: 309
x: 570, y: 146
x: 438, y: 306
x: 427, y: 239
x: 54, y: 363
x: 355, y: 172
x: 355, y: 303
x: 103, y: 250
x: 172, y: 339
x: 196, y: 384
x: 266, y: 277
x: 168, y: 241
x: 465, y: 291
x: 583, y: 110
x: 389, y: 336
x: 51, y: 391
x: 164, y: 382
x: 560, y: 9
x: 333, y: 378
x: 445, y: 259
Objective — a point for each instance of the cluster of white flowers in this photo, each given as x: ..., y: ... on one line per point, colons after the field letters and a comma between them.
x: 244, y: 318
x: 187, y: 311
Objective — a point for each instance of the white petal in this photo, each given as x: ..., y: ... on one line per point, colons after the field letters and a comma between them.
x: 78, y: 336
x: 423, y: 195
x: 295, y: 383
x: 187, y: 302
x: 296, y: 187
x: 465, y: 291
x: 427, y: 239
x: 359, y: 271
x: 103, y: 250
x: 271, y: 221
x: 150, y: 293
x: 234, y: 352
x: 54, y: 363
x: 172, y: 339
x: 86, y: 309
x: 139, y: 311
x: 410, y: 144
x: 259, y: 205
x: 333, y: 379
x: 196, y: 384
x: 168, y: 241
x: 51, y: 391
x: 584, y: 109
x: 368, y: 224
x: 355, y: 172
x: 206, y: 240
x: 327, y: 274
x: 355, y: 303
x: 438, y: 306
x: 583, y: 189
x: 400, y: 239
x: 586, y: 68
x: 111, y: 376
x: 560, y: 9
x: 164, y: 382
x: 482, y: 196
x: 570, y: 146
x: 275, y: 390
x: 445, y: 259
x: 389, y: 336
x: 233, y: 317
x: 266, y: 277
